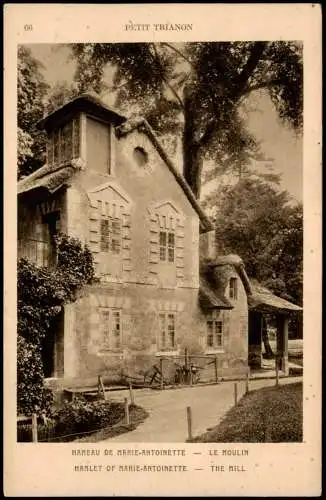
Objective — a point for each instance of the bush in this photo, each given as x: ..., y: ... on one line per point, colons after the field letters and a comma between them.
x: 32, y: 396
x: 79, y: 416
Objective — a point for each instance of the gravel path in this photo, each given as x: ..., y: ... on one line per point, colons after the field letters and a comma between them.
x: 167, y: 420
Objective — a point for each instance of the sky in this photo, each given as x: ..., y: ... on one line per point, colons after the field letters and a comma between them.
x: 277, y: 141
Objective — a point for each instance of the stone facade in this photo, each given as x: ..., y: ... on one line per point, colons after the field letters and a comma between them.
x: 145, y: 237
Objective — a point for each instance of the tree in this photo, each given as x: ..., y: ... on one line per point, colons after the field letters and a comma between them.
x: 59, y: 94
x: 198, y: 89
x: 31, y: 92
x: 255, y: 220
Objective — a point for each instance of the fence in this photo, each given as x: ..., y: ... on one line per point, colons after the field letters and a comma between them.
x: 190, y: 369
x: 31, y: 429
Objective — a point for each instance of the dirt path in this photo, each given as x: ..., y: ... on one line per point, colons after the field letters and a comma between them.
x: 167, y: 420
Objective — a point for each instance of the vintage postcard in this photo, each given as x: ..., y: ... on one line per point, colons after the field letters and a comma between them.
x: 162, y: 250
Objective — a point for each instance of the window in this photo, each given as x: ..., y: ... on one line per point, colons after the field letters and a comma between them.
x: 140, y: 156
x: 110, y: 324
x: 167, y: 331
x: 214, y: 333
x: 167, y: 245
x: 41, y: 248
x: 233, y: 292
x: 110, y: 235
x: 63, y: 144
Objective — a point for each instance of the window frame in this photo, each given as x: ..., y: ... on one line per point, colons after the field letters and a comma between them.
x: 168, y: 331
x: 233, y: 288
x: 61, y: 149
x: 215, y: 331
x: 167, y: 246
x: 110, y: 341
x: 113, y: 244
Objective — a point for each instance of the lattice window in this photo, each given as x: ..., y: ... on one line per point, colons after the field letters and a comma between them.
x: 167, y: 246
x: 167, y: 331
x: 64, y: 143
x: 110, y: 324
x: 110, y: 235
x: 214, y: 333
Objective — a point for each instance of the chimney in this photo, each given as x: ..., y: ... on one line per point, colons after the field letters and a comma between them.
x: 207, y: 245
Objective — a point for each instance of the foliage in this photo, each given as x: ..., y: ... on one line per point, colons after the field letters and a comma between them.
x: 255, y: 220
x: 80, y: 415
x: 60, y: 94
x: 42, y: 293
x: 32, y: 396
x: 31, y: 91
x: 198, y: 89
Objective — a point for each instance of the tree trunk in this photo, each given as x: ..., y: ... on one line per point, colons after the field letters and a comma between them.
x: 192, y: 161
x: 268, y: 350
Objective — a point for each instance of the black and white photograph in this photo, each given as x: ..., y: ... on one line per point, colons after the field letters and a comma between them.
x: 160, y: 250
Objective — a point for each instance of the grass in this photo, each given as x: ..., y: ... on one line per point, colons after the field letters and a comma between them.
x: 272, y: 415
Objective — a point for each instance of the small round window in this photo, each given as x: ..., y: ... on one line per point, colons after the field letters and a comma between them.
x: 140, y: 156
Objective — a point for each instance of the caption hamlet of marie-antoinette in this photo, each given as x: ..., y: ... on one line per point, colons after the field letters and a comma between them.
x: 111, y: 460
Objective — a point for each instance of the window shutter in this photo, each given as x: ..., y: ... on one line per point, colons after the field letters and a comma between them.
x: 179, y: 257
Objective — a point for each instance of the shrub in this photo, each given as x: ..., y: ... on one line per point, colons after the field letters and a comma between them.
x: 80, y: 416
x: 41, y: 295
x: 32, y: 396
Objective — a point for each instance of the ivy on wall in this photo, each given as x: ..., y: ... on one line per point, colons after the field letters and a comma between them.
x: 41, y: 295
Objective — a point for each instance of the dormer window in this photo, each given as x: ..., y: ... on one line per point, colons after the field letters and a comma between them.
x: 233, y: 288
x: 64, y: 144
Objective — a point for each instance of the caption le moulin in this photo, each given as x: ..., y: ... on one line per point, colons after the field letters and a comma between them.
x: 130, y: 26
x: 176, y: 453
x: 150, y: 452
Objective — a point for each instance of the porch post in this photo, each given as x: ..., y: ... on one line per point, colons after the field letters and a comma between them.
x: 285, y: 353
x: 282, y: 342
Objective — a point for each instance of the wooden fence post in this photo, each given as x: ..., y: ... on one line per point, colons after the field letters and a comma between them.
x: 127, y: 417
x: 247, y: 380
x: 215, y: 367
x: 34, y: 428
x: 161, y: 370
x: 235, y: 393
x: 276, y: 370
x: 189, y: 420
x: 101, y: 388
x: 131, y: 393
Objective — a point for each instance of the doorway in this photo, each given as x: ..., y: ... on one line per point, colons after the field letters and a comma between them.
x: 52, y: 349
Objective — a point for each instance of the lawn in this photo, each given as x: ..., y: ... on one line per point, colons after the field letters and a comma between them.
x: 272, y: 414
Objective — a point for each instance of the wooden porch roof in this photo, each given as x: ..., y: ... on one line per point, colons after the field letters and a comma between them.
x: 263, y: 300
